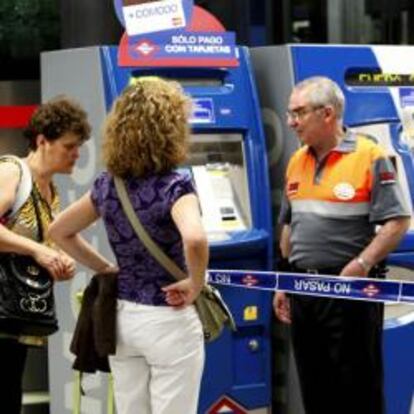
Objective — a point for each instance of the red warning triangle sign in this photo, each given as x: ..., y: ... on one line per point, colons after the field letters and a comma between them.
x: 226, y: 405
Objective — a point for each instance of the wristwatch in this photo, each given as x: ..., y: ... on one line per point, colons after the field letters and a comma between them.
x: 365, y: 265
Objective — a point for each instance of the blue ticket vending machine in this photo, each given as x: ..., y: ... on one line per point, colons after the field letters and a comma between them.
x: 229, y: 167
x: 378, y: 83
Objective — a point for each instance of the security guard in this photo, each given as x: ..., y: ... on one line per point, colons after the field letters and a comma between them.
x: 343, y: 213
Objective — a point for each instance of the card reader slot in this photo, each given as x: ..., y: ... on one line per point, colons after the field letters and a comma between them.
x: 228, y: 218
x: 194, y: 77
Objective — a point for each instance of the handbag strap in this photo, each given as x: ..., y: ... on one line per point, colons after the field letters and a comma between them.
x: 167, y: 263
x: 36, y: 201
x: 25, y: 190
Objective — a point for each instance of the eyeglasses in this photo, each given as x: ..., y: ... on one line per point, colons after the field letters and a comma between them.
x: 299, y: 113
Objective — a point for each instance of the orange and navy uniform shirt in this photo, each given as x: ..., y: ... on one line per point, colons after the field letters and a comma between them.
x: 333, y: 205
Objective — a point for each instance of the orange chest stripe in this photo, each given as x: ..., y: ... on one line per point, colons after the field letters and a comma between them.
x: 344, y: 177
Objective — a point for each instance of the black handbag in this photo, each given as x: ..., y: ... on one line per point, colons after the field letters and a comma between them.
x: 27, y: 305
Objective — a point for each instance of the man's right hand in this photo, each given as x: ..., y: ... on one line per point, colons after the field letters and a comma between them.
x: 281, y: 306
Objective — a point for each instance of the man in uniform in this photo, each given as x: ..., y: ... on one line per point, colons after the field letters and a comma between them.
x: 342, y: 214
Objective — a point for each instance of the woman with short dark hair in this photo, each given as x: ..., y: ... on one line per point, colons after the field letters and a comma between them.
x: 56, y: 131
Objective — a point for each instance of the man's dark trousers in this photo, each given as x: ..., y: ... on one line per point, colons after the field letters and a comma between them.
x: 338, y: 350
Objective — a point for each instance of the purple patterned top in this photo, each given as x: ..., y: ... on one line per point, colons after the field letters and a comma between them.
x: 141, y: 277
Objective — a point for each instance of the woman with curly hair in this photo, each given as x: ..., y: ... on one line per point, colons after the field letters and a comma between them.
x: 159, y: 358
x: 55, y: 133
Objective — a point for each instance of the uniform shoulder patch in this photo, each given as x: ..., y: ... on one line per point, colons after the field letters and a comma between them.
x: 292, y: 188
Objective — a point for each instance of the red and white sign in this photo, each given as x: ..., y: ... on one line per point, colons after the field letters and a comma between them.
x: 146, y: 47
x: 226, y: 405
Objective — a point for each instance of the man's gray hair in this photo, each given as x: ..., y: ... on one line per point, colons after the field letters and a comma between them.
x: 323, y: 91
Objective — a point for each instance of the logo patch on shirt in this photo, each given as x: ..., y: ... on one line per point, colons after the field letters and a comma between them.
x: 292, y: 188
x: 387, y: 177
x: 344, y: 191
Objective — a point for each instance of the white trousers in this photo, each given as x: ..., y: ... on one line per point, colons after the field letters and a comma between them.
x: 159, y: 359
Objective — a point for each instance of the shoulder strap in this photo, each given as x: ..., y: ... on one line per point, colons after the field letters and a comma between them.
x: 25, y: 184
x: 143, y: 235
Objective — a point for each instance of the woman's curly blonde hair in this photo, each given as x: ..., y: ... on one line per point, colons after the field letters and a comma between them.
x: 147, y: 130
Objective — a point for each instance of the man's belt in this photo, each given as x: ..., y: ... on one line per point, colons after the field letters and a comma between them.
x: 317, y: 271
x: 378, y: 271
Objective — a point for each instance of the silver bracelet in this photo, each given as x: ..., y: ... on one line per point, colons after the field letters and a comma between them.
x: 364, y: 264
